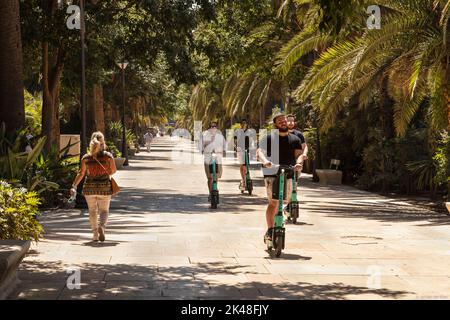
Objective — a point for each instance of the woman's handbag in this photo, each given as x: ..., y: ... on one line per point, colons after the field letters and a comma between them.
x: 115, y: 189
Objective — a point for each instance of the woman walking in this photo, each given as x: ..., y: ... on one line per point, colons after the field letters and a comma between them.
x: 98, y: 166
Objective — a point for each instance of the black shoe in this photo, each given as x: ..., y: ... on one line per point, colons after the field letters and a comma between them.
x: 268, y: 235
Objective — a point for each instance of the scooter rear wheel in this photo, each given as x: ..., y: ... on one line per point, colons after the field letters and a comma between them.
x: 214, y: 200
x: 277, y: 247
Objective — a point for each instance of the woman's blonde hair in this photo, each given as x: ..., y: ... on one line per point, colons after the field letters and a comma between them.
x: 97, y: 143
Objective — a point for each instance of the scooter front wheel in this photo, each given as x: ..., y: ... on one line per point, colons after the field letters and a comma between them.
x: 214, y: 199
x: 250, y: 187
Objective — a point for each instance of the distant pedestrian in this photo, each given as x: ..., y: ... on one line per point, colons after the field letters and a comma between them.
x: 29, y: 147
x: 98, y: 166
x: 148, y: 137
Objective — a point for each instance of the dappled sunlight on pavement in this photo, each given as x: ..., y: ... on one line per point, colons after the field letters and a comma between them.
x: 163, y: 242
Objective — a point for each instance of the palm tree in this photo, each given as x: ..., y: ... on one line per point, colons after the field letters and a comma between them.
x: 206, y: 105
x: 12, y: 110
x: 408, y: 57
x: 249, y: 94
x: 308, y: 39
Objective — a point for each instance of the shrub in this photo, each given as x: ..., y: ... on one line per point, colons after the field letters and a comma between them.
x: 113, y: 149
x: 115, y: 134
x: 59, y: 167
x: 16, y: 166
x: 18, y: 211
x: 33, y: 113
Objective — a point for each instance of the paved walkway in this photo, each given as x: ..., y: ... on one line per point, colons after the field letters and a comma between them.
x: 163, y: 242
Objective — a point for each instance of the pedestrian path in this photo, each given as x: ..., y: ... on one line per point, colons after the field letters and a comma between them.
x: 163, y: 242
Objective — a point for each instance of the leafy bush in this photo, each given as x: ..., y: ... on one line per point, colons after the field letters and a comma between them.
x: 17, y: 166
x: 433, y: 173
x: 379, y: 162
x: 59, y: 167
x: 115, y: 130
x: 33, y: 113
x: 113, y: 149
x: 115, y: 134
x: 18, y: 211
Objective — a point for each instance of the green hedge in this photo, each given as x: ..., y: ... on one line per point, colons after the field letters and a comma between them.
x: 18, y: 212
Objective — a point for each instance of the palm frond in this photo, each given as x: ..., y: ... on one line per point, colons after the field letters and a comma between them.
x: 299, y: 46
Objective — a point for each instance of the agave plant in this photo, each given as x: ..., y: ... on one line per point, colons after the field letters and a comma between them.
x: 16, y: 166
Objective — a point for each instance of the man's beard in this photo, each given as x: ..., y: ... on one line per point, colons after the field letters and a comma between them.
x: 285, y: 129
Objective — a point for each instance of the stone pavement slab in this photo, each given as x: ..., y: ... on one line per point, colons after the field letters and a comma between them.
x: 163, y: 242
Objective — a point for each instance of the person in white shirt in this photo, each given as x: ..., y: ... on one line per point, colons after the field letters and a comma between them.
x: 242, y: 144
x: 148, y: 140
x: 213, y: 142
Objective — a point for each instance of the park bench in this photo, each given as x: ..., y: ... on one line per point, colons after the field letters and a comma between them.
x: 12, y: 253
x: 330, y: 176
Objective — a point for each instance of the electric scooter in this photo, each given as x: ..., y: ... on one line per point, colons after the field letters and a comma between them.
x: 248, y: 179
x: 293, y: 206
x: 213, y: 167
x: 276, y: 245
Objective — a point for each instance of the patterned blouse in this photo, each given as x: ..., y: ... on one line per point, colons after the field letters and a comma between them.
x: 97, y: 179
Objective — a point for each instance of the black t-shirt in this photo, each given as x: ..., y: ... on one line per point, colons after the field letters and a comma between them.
x: 299, y: 135
x: 287, y: 144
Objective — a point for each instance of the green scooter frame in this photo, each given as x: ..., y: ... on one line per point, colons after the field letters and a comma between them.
x: 248, y: 179
x: 277, y: 244
x: 293, y: 206
x: 215, y: 188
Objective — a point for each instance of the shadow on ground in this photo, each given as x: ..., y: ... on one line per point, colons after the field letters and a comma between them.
x: 361, y: 204
x: 47, y: 280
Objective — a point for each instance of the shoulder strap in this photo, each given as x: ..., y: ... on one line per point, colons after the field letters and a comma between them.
x: 102, y: 166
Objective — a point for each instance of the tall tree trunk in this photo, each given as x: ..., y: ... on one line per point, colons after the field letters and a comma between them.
x: 52, y: 67
x: 12, y: 110
x: 447, y: 100
x: 98, y: 112
x: 446, y: 86
x: 52, y: 72
x: 261, y: 116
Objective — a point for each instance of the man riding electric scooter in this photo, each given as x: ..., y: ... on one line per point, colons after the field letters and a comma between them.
x: 242, y: 146
x: 280, y: 148
x: 213, y: 147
